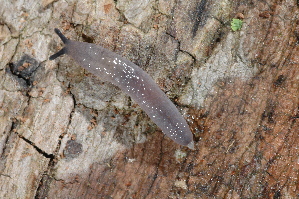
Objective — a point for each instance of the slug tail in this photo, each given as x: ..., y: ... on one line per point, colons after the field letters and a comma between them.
x: 191, y: 145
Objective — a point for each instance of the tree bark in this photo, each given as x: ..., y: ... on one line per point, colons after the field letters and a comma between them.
x: 65, y: 133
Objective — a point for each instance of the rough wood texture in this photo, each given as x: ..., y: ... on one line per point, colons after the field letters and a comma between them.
x: 66, y: 134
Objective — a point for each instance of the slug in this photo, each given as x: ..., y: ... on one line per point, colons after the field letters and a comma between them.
x: 132, y: 80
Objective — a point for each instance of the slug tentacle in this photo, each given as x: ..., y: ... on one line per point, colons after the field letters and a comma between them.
x: 58, y: 54
x: 62, y: 37
x: 63, y: 50
x: 131, y: 79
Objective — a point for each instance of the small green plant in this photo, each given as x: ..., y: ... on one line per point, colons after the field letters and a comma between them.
x: 236, y: 24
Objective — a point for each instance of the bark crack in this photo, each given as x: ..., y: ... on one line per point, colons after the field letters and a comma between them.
x: 157, y: 169
x: 39, y: 150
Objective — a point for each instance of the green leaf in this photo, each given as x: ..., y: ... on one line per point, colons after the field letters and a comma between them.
x: 236, y: 24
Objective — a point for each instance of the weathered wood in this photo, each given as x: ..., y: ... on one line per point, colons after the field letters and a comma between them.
x: 66, y: 134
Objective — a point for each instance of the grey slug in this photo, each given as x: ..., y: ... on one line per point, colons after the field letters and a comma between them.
x: 132, y: 80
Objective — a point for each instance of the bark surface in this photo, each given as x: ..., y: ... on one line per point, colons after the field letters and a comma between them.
x: 67, y: 134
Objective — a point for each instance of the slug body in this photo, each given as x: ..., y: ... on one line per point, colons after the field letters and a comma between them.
x: 132, y: 80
